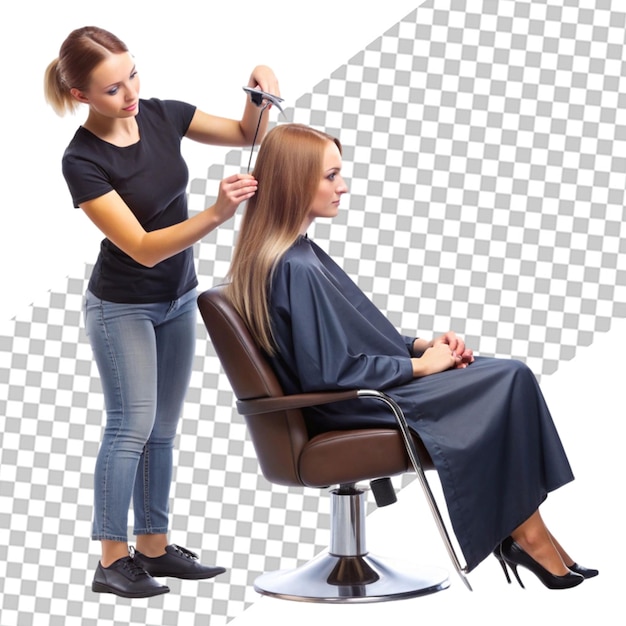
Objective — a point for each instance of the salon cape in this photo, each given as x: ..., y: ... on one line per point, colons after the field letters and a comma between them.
x: 486, y: 427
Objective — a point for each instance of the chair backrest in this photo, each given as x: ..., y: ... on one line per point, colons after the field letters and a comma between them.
x: 278, y: 437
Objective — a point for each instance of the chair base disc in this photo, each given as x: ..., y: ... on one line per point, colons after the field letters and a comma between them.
x: 345, y: 579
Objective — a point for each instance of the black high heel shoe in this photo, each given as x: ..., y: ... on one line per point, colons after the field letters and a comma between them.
x: 585, y: 572
x: 513, y: 555
x: 498, y: 554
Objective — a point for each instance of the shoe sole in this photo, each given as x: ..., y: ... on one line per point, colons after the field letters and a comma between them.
x: 183, y: 576
x: 102, y: 588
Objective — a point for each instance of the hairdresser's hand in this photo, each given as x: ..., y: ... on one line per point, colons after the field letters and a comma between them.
x: 264, y: 78
x: 463, y: 355
x: 233, y: 191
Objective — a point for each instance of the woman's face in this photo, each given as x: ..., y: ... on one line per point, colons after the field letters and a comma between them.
x: 331, y: 186
x: 114, y: 87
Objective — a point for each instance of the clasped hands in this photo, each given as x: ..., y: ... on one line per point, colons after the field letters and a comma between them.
x: 445, y: 352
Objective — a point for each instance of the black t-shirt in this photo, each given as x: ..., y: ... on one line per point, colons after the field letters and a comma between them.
x: 151, y: 176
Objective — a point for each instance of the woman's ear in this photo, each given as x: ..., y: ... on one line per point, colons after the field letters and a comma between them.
x: 79, y: 95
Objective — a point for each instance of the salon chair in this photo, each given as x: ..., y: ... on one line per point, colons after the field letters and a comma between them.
x: 346, y: 571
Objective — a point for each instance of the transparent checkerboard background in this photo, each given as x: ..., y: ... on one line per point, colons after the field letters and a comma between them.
x: 484, y: 145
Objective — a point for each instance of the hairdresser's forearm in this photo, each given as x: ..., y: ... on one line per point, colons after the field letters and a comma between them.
x: 158, y: 245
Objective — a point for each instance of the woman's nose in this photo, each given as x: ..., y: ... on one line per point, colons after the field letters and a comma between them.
x: 131, y: 92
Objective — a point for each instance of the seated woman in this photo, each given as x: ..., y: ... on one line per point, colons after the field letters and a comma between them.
x: 483, y: 420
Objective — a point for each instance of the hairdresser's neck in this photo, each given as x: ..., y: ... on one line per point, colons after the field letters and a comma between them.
x: 119, y: 132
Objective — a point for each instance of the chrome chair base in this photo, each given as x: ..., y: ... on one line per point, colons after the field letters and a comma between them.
x: 350, y: 579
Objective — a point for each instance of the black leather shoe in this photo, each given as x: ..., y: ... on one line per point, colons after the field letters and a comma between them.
x: 127, y: 579
x: 585, y: 572
x: 176, y: 562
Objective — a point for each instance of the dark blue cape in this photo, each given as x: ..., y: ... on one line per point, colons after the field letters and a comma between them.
x: 486, y: 427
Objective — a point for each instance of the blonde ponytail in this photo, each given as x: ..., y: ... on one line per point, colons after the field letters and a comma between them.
x: 56, y: 93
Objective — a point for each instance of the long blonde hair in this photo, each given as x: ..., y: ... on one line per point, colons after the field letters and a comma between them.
x: 288, y: 169
x: 82, y: 50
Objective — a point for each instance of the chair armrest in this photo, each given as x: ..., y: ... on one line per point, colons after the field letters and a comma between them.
x: 258, y: 406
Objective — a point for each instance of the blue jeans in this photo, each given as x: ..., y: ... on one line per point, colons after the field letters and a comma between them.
x: 144, y: 354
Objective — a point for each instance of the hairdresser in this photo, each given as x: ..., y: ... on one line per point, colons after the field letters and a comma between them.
x: 124, y: 169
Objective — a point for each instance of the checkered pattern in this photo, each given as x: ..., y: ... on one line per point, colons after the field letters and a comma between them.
x: 485, y: 155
